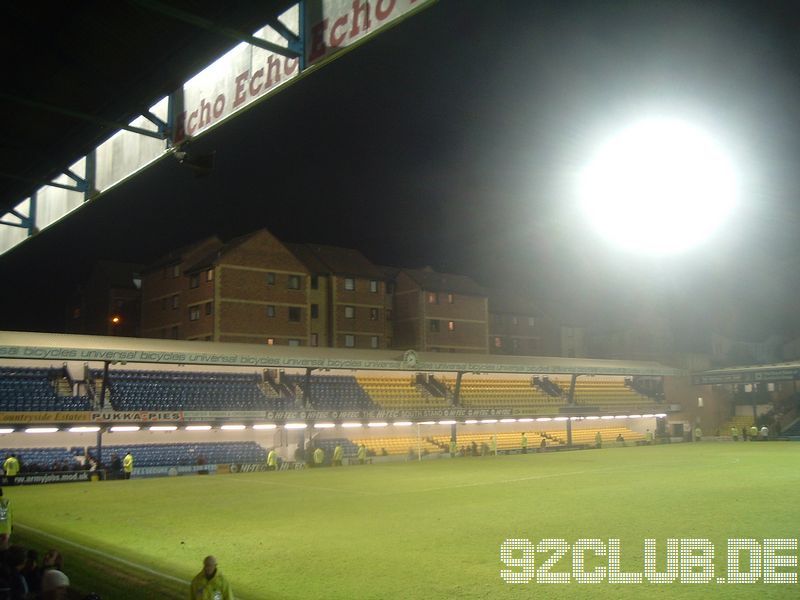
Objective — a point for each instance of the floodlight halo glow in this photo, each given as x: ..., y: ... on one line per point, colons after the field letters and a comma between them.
x: 661, y: 186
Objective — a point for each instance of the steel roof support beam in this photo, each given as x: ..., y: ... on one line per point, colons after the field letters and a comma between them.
x: 63, y: 186
x: 209, y: 25
x: 83, y: 116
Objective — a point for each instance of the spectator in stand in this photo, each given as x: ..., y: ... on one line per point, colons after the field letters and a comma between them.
x: 362, y: 454
x: 15, y: 563
x: 52, y: 560
x: 11, y: 468
x: 210, y: 584
x: 338, y: 455
x: 55, y: 585
x: 6, y: 521
x: 620, y: 440
x: 127, y: 465
x: 31, y: 572
x: 474, y: 448
x: 543, y: 445
x: 116, y: 466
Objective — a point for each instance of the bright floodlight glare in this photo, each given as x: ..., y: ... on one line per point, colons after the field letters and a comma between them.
x: 659, y: 187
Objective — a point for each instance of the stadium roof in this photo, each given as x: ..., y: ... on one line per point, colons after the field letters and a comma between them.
x: 786, y: 371
x: 107, y: 61
x: 65, y: 347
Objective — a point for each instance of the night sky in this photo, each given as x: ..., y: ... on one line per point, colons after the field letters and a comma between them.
x: 454, y: 140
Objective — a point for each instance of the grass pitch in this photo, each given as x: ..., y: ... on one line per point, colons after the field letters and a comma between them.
x: 419, y: 530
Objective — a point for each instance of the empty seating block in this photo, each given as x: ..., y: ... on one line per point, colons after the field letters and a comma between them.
x: 505, y: 392
x: 179, y: 390
x: 332, y: 392
x: 167, y: 455
x: 399, y: 392
x: 31, y: 389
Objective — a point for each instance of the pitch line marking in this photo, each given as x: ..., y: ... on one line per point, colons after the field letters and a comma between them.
x: 104, y: 554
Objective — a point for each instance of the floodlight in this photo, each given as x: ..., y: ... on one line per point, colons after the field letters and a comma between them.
x: 525, y: 420
x: 427, y: 423
x: 7, y: 430
x: 324, y: 425
x: 295, y: 426
x: 544, y: 419
x: 198, y: 427
x: 232, y: 427
x: 162, y: 427
x: 260, y: 426
x: 378, y: 424
x: 488, y: 421
x: 660, y: 186
x: 93, y: 429
x: 124, y: 428
x: 353, y: 425
x: 508, y: 420
x: 402, y: 423
x: 447, y: 422
x: 41, y: 430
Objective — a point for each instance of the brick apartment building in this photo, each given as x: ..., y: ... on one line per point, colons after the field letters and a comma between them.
x: 440, y: 312
x: 515, y: 325
x: 258, y: 289
x: 107, y: 302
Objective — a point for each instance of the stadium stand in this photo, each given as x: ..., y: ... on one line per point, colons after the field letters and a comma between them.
x: 349, y: 448
x: 739, y: 422
x: 180, y: 390
x: 506, y: 440
x: 501, y: 392
x: 161, y: 455
x: 32, y: 389
x: 397, y: 445
x: 399, y: 392
x: 42, y: 459
x: 607, y: 393
x: 581, y: 437
x: 331, y: 392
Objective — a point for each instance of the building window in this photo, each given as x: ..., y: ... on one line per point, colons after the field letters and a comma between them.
x: 450, y: 298
x: 349, y: 341
x: 294, y: 314
x: 434, y: 325
x: 451, y: 326
x: 194, y: 280
x: 314, y: 282
x: 174, y: 332
x: 314, y: 339
x: 388, y: 314
x: 530, y: 321
x: 373, y: 341
x: 270, y: 278
x: 498, y: 342
x: 176, y: 271
x: 349, y: 312
x: 294, y: 282
x: 294, y: 342
x: 373, y: 286
x: 515, y: 344
x: 390, y: 287
x: 514, y: 320
x: 433, y: 298
x: 194, y: 313
x: 76, y: 313
x: 349, y: 284
x: 209, y: 308
x: 315, y: 311
x: 270, y: 310
x: 210, y: 275
x: 270, y: 341
x: 175, y: 301
x: 373, y: 314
